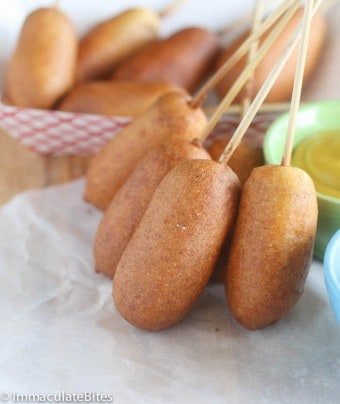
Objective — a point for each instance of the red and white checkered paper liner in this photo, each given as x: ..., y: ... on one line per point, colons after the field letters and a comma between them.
x: 54, y: 132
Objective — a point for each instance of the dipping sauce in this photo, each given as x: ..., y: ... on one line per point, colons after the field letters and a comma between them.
x: 319, y: 156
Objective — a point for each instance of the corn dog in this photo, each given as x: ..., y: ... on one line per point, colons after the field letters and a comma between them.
x: 272, y: 245
x: 170, y: 257
x: 121, y: 98
x: 128, y: 206
x: 246, y: 157
x: 109, y: 42
x: 171, y: 117
x: 183, y: 59
x: 42, y: 68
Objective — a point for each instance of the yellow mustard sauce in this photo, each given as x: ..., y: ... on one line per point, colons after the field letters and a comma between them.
x: 319, y: 156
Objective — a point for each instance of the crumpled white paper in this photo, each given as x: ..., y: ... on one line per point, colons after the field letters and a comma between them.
x: 61, y: 332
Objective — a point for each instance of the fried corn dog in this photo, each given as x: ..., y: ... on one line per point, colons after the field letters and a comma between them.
x: 116, y: 98
x: 272, y: 245
x: 246, y: 157
x: 170, y: 257
x: 171, y: 117
x: 112, y: 40
x: 184, y: 59
x: 131, y: 201
x: 42, y: 68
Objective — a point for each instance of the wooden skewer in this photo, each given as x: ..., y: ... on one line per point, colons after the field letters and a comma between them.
x: 241, y: 51
x: 247, y: 71
x: 262, y: 94
x: 296, y: 96
x: 248, y: 90
x: 244, y: 21
x: 265, y: 108
x: 171, y: 8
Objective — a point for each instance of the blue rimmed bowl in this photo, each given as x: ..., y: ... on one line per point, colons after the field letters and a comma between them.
x: 332, y: 273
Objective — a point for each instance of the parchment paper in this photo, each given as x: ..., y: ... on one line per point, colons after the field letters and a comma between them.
x: 61, y: 332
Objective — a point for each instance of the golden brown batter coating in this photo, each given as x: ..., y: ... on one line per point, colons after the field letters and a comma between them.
x: 42, y: 68
x: 246, y: 157
x: 184, y: 59
x: 121, y: 98
x: 171, y: 117
x: 110, y: 41
x: 272, y: 245
x: 128, y: 206
x: 170, y: 257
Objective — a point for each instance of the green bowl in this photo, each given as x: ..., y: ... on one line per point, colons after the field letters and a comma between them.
x: 313, y: 117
